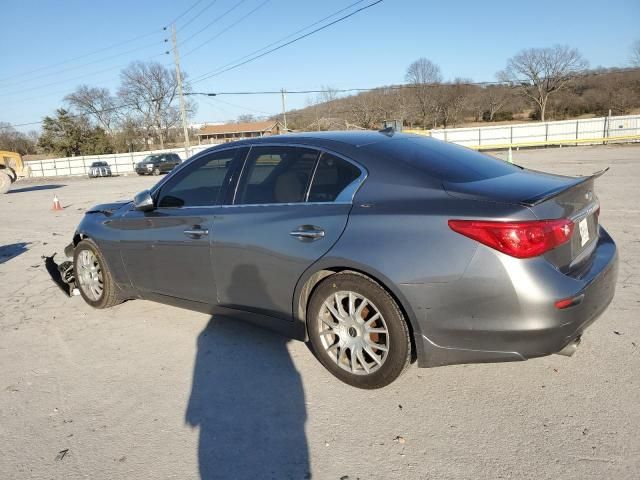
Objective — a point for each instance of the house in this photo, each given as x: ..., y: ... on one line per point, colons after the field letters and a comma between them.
x: 230, y: 132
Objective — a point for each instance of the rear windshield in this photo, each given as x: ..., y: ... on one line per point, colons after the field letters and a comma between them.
x: 445, y: 161
x: 99, y: 164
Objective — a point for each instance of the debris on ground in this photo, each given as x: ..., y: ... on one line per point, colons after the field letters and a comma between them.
x: 62, y: 454
x: 399, y: 439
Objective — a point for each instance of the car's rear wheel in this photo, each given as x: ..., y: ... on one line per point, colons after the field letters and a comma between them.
x: 357, y: 331
x: 93, y: 276
x: 156, y: 171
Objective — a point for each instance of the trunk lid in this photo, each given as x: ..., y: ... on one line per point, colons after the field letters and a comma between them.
x: 548, y: 196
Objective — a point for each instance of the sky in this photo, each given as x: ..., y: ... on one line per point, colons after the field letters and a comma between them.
x: 49, y: 48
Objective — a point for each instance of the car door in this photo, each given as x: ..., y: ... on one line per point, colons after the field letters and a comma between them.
x: 290, y: 206
x: 167, y: 250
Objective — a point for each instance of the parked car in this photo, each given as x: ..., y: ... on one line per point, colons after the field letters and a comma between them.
x: 99, y: 169
x: 377, y: 248
x: 157, y: 164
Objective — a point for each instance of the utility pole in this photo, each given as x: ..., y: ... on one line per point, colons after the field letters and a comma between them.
x: 284, y: 108
x: 183, y: 110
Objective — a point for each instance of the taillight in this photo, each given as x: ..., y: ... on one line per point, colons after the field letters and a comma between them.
x: 518, y: 239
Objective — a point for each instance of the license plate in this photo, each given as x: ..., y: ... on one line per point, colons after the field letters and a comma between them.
x: 584, y: 232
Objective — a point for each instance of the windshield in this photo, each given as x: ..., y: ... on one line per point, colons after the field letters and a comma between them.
x: 151, y: 158
x: 99, y: 164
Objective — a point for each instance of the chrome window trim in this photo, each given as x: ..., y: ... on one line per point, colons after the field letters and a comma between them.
x: 344, y: 198
x: 182, y: 165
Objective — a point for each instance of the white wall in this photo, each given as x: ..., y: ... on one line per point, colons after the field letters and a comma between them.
x: 121, y: 163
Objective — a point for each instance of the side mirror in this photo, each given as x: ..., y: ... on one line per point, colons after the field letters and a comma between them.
x: 143, y: 201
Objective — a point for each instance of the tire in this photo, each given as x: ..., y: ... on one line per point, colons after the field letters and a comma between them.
x: 156, y: 171
x: 11, y: 173
x: 353, y: 363
x: 5, y: 182
x: 110, y: 294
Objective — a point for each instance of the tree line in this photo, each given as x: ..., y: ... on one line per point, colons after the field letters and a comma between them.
x: 142, y: 112
x: 551, y: 83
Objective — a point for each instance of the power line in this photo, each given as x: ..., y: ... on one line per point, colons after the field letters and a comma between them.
x: 155, y: 32
x: 251, y: 12
x: 184, y: 13
x: 197, y: 15
x: 287, y: 36
x: 72, y: 78
x: 215, y: 20
x: 216, y: 73
x: 89, y: 54
x: 84, y: 64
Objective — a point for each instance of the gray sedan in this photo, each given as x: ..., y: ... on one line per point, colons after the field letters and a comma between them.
x: 380, y: 249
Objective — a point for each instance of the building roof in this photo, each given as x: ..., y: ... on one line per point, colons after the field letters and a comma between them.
x: 238, y: 128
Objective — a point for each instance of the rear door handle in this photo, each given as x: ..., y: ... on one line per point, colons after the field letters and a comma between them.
x: 196, y: 232
x: 305, y: 232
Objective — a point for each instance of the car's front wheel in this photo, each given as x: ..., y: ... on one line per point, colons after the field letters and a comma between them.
x: 156, y: 171
x: 357, y: 331
x: 93, y: 276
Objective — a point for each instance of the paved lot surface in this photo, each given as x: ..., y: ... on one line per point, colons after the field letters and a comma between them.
x: 149, y: 391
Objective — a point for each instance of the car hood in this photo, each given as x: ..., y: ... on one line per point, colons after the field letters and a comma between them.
x: 108, y: 208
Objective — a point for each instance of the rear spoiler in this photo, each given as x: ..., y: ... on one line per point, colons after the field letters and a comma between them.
x: 533, y: 201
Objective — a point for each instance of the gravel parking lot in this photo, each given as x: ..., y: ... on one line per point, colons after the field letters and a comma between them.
x: 145, y: 390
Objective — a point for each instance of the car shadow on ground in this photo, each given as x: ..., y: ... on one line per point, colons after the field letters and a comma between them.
x: 248, y: 401
x: 7, y: 252
x: 33, y: 188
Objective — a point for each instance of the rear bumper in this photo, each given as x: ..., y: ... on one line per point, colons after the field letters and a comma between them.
x: 502, y: 309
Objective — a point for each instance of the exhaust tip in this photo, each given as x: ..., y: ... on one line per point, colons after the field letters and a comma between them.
x: 571, y: 348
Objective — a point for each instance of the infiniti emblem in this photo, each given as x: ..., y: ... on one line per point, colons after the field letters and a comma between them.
x: 588, y: 195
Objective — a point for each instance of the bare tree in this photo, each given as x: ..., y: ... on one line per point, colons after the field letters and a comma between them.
x: 150, y: 90
x: 451, y: 99
x: 635, y: 54
x: 495, y: 98
x: 246, y: 118
x: 539, y: 72
x: 423, y: 75
x: 96, y: 103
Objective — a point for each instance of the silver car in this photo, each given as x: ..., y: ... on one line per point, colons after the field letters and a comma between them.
x: 379, y: 249
x: 99, y: 169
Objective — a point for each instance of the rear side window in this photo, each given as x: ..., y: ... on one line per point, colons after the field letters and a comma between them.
x: 276, y: 175
x: 201, y: 184
x: 332, y: 176
x: 445, y: 161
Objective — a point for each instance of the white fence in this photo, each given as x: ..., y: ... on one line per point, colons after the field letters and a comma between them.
x: 568, y: 132
x: 120, y: 163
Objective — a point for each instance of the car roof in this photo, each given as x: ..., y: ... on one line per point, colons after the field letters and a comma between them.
x: 353, y: 138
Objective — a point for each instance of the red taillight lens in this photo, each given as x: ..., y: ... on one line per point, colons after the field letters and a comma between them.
x: 518, y: 239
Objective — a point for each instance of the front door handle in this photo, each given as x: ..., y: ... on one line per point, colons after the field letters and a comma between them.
x: 196, y: 232
x: 307, y: 232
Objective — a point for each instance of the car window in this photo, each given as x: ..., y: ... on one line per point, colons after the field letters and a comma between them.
x: 333, y: 175
x: 276, y: 175
x: 200, y: 184
x: 445, y: 161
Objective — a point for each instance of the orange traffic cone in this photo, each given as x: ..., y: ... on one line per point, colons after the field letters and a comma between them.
x: 56, y: 203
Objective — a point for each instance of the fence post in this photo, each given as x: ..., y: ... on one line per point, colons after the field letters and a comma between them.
x: 577, y: 127
x: 546, y: 134
x: 511, y: 136
x: 41, y: 169
x: 479, y: 136
x: 115, y: 162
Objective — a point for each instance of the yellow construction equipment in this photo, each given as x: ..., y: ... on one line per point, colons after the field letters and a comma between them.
x: 11, y: 168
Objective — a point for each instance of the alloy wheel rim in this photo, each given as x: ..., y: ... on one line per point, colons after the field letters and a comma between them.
x: 90, y: 275
x: 353, y: 332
